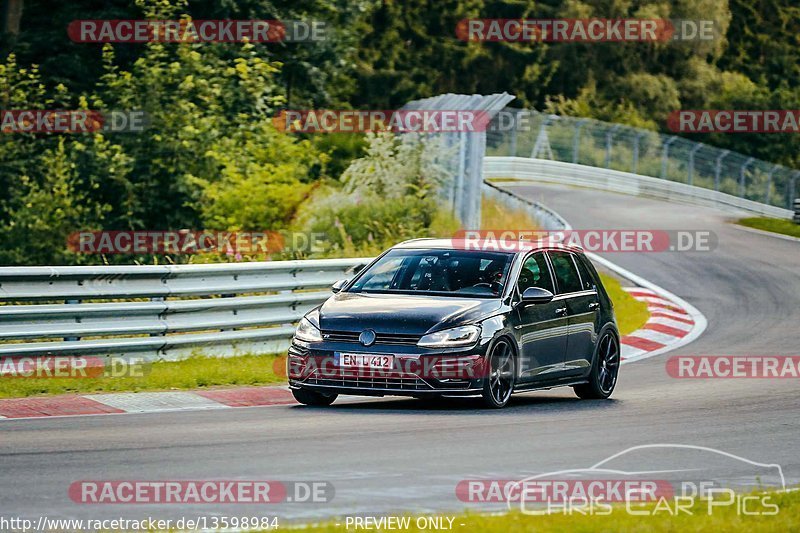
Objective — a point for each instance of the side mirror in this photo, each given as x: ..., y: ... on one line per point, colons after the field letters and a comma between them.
x: 339, y: 285
x: 536, y: 295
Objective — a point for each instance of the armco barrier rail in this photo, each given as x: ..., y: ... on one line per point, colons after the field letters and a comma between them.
x: 544, y: 170
x: 160, y: 312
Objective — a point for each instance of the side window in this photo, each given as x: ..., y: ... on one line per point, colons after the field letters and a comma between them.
x: 535, y: 273
x: 586, y: 278
x: 566, y: 273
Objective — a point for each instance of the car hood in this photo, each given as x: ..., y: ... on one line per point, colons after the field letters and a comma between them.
x: 400, y: 313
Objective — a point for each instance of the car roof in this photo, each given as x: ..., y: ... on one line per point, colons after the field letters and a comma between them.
x: 448, y: 244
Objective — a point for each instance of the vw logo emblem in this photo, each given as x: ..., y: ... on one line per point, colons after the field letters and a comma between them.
x: 367, y: 337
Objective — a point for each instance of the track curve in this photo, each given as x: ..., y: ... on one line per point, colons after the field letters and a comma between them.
x: 401, y: 455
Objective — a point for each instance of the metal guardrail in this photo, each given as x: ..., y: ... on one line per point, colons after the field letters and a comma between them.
x: 544, y: 217
x: 160, y: 312
x: 523, y: 168
x: 641, y: 152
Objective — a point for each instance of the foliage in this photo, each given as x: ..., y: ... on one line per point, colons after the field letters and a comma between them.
x: 389, y: 195
x: 397, y: 165
x: 210, y: 158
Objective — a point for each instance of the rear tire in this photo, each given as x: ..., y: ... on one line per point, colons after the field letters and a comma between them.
x: 309, y: 397
x: 499, y: 383
x: 605, y: 370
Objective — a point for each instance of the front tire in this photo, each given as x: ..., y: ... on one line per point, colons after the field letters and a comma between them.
x: 605, y: 370
x: 310, y: 397
x: 499, y: 383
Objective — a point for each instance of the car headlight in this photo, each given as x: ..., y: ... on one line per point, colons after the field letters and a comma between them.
x: 460, y: 336
x: 308, y: 332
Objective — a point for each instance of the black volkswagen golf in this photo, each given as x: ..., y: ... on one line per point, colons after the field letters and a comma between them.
x: 429, y: 318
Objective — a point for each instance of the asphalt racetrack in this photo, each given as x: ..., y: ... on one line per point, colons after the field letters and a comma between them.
x: 403, y: 455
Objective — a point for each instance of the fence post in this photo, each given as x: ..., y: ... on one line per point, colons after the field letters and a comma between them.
x: 458, y: 197
x: 769, y: 183
x: 742, y: 172
x: 543, y: 139
x: 718, y: 168
x: 665, y: 156
x: 635, y: 162
x: 576, y: 140
x: 691, y: 163
x: 609, y: 138
x: 513, y: 148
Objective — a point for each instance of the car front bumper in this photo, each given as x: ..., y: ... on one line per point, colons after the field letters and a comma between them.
x: 415, y: 372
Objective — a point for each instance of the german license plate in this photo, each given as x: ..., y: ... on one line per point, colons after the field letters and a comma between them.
x: 365, y: 360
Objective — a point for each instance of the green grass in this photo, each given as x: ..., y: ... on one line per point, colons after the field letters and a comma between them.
x: 775, y: 225
x: 631, y: 313
x: 192, y: 373
x: 497, y: 216
x: 618, y: 520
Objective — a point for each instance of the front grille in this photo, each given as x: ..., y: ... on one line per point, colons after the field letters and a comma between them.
x: 356, y: 381
x: 380, y: 338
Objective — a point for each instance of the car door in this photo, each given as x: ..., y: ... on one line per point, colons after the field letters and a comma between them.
x: 541, y: 328
x: 578, y: 293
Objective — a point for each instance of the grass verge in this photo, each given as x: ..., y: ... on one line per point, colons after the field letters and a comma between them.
x: 192, y: 373
x: 497, y: 216
x: 659, y: 519
x: 774, y: 225
x: 631, y: 313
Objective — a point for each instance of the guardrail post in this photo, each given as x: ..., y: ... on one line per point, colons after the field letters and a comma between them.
x: 158, y: 299
x: 576, y: 140
x: 742, y: 172
x: 718, y: 168
x: 691, y: 163
x: 72, y: 302
x: 665, y: 155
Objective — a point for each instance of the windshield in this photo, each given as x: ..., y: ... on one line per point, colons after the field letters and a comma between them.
x: 445, y: 272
